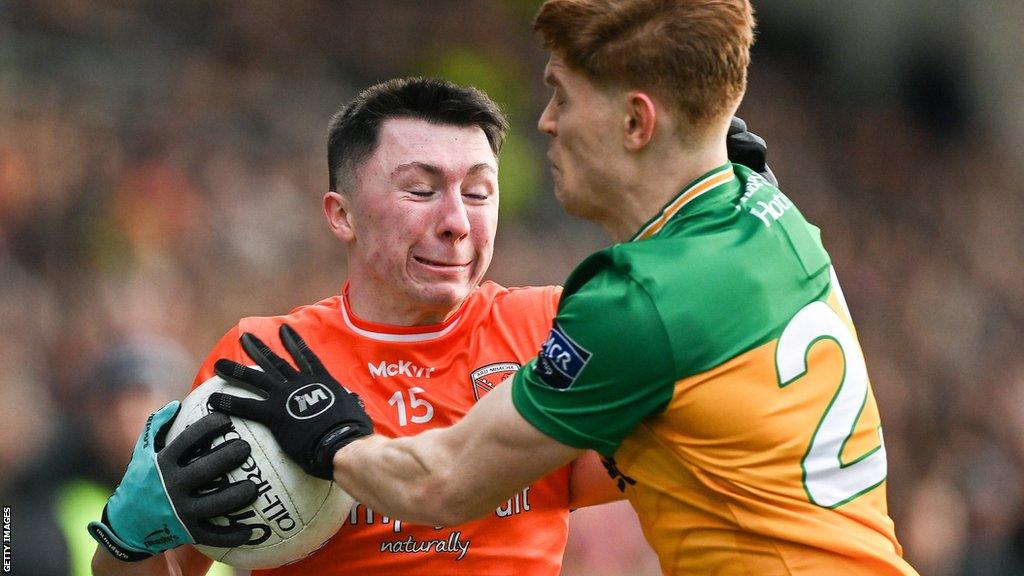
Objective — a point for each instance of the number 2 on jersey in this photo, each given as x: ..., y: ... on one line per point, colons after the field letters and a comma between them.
x: 828, y: 481
x: 397, y: 399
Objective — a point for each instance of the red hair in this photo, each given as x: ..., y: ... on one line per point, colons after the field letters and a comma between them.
x: 692, y: 53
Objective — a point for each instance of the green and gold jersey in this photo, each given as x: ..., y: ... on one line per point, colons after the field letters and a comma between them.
x: 713, y: 361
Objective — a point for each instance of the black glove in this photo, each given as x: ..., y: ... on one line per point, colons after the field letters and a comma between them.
x: 748, y: 149
x: 309, y: 413
x: 169, y: 493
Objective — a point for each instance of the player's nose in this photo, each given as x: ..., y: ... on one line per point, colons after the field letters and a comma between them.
x: 546, y: 122
x: 453, y: 217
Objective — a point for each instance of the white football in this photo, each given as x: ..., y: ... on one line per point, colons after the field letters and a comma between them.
x: 294, y: 514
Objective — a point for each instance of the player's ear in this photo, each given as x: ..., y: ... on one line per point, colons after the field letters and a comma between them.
x: 638, y: 121
x: 337, y: 210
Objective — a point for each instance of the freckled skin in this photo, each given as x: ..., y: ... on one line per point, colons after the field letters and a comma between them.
x: 583, y: 159
x: 420, y: 226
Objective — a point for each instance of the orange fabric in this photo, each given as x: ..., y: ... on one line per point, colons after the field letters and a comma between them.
x: 495, y: 331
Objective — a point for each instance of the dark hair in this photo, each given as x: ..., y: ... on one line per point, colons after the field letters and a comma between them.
x: 695, y: 53
x: 353, y: 131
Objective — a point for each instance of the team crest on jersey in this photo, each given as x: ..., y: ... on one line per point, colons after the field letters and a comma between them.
x: 560, y: 360
x: 485, y: 378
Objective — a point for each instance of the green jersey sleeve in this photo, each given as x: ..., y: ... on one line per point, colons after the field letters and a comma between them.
x: 605, y: 365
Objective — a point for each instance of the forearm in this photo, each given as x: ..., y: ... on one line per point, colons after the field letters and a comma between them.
x: 403, y: 478
x: 104, y: 564
x: 182, y: 561
x: 451, y: 475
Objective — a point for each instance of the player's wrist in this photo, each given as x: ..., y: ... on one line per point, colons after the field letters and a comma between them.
x: 332, y: 442
x: 108, y: 539
x: 139, y: 520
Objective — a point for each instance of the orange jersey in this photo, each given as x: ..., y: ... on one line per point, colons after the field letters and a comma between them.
x: 417, y: 378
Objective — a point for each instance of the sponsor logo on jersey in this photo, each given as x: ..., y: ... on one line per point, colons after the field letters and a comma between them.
x: 420, y: 543
x: 310, y: 401
x: 754, y: 183
x: 767, y: 211
x: 485, y: 378
x: 420, y: 540
x: 385, y: 369
x: 770, y: 211
x: 560, y: 360
x: 453, y: 544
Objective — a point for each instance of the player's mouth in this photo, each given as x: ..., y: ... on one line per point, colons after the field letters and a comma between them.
x: 448, y: 266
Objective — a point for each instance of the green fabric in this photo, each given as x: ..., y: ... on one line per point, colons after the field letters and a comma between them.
x: 613, y: 319
x: 723, y: 276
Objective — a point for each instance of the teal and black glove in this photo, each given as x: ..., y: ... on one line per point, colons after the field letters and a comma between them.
x: 166, y: 497
x: 748, y: 149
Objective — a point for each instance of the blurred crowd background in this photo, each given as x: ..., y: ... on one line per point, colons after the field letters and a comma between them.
x: 162, y: 164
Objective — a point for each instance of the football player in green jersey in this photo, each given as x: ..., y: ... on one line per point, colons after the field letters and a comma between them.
x: 708, y: 354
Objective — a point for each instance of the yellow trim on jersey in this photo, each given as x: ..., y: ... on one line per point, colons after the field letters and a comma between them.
x: 697, y: 189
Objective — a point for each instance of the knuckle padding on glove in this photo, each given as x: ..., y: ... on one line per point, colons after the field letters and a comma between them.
x: 249, y: 408
x: 228, y: 368
x: 265, y: 357
x: 221, y: 402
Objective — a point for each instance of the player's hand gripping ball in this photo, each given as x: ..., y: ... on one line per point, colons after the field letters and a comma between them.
x: 166, y: 497
x: 310, y: 414
x: 294, y: 513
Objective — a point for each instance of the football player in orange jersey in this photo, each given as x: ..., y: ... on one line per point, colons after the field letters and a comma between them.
x: 708, y: 353
x: 414, y: 198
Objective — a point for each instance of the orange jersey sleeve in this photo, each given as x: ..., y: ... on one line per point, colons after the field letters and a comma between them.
x: 413, y: 379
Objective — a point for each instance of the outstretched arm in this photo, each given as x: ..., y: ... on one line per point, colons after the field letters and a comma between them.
x: 440, y: 477
x: 450, y: 475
